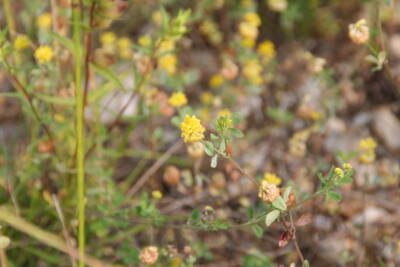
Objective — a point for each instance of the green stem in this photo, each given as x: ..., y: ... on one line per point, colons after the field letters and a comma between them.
x: 80, y: 158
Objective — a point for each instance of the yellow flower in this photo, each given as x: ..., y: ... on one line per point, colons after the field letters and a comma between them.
x: 43, y: 54
x: 21, y: 42
x: 224, y: 113
x: 272, y: 178
x: 253, y: 19
x: 157, y: 194
x: 107, y: 38
x: 339, y: 172
x: 367, y: 143
x: 252, y: 71
x: 216, y: 81
x: 124, y: 45
x: 206, y: 98
x: 359, y: 32
x: 157, y: 17
x: 44, y: 21
x: 246, y: 42
x: 144, y: 40
x: 177, y: 99
x: 248, y: 31
x: 347, y: 166
x: 168, y: 63
x: 192, y: 130
x: 267, y: 50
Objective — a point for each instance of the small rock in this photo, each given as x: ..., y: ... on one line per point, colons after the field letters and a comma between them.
x: 387, y: 128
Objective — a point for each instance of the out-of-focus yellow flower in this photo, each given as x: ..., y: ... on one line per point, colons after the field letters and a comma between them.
x: 246, y: 3
x: 157, y: 17
x: 248, y: 30
x: 168, y: 63
x: 252, y: 71
x: 192, y: 130
x: 367, y: 143
x: 316, y: 115
x: 339, y: 172
x: 347, y: 166
x: 216, y: 81
x: 206, y: 98
x: 107, y: 38
x: 43, y: 54
x: 253, y: 19
x: 359, y: 32
x: 21, y: 42
x: 167, y: 46
x: 277, y: 5
x: 267, y: 50
x: 366, y: 149
x: 124, y: 45
x: 44, y: 21
x: 210, y: 29
x: 247, y: 42
x: 144, y: 40
x: 272, y: 178
x: 157, y: 194
x: 224, y: 113
x: 177, y: 99
x: 204, y: 114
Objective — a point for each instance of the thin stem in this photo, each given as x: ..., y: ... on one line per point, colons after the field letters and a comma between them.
x: 11, y: 25
x: 80, y: 157
x: 88, y: 52
x: 296, y: 244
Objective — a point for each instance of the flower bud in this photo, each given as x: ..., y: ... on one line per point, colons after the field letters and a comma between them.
x: 172, y: 175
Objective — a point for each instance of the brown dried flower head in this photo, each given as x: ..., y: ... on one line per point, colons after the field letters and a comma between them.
x: 195, y: 150
x: 359, y: 32
x: 149, y: 255
x: 268, y: 192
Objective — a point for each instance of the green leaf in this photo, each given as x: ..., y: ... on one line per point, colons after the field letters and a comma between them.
x: 222, y: 146
x: 195, y: 215
x: 306, y: 264
x: 271, y: 217
x: 214, y: 137
x: 209, y: 148
x: 236, y: 132
x: 214, y: 161
x: 334, y: 195
x: 287, y: 193
x: 346, y: 180
x: 67, y: 43
x: 56, y: 100
x: 279, y: 203
x: 258, y: 230
x: 108, y: 75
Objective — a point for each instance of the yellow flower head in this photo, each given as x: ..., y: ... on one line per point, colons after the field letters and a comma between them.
x: 168, y: 63
x: 253, y: 19
x: 347, y: 166
x: 124, y: 45
x: 216, y: 81
x: 157, y: 194
x: 157, y: 17
x: 248, y: 31
x: 177, y: 99
x: 206, y: 98
x: 43, y: 54
x: 272, y: 178
x: 246, y: 42
x: 252, y: 71
x: 339, y: 172
x: 107, y: 38
x: 367, y: 143
x: 145, y: 40
x: 224, y: 113
x: 267, y: 50
x: 21, y: 42
x: 192, y: 130
x: 44, y: 21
